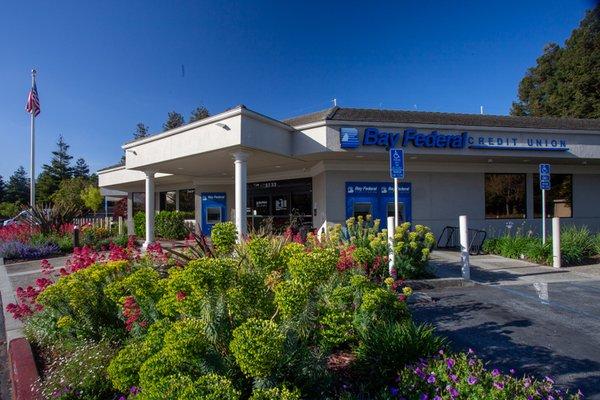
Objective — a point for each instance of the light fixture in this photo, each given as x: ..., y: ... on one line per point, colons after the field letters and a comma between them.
x: 360, y: 156
x: 222, y: 125
x: 490, y: 160
x: 131, y: 151
x: 525, y: 160
x: 413, y: 157
x: 278, y: 166
x: 179, y: 168
x: 584, y: 162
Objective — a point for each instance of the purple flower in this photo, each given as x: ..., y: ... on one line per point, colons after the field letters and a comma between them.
x: 526, y: 382
x: 512, y: 371
x: 437, y: 398
x: 441, y: 352
x: 471, y: 380
x: 454, y: 378
x: 471, y: 351
x: 431, y: 379
x: 495, y: 372
x: 450, y: 363
x: 394, y: 391
x: 423, y: 397
x: 550, y: 380
x: 471, y: 362
x: 499, y: 385
x: 453, y: 392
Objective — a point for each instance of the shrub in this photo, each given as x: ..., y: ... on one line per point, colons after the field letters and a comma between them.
x: 464, y: 376
x: 276, y: 393
x: 257, y: 346
x: 576, y: 245
x: 9, y: 210
x: 412, y: 249
x: 139, y: 224
x: 79, y: 372
x: 80, y: 304
x: 23, y: 251
x: 223, y: 236
x: 211, y: 387
x: 170, y: 225
x: 386, y: 348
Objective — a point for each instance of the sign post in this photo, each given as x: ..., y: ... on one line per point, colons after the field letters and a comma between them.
x: 544, y: 170
x: 396, y: 172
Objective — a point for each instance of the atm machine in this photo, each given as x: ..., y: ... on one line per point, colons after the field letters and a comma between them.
x: 377, y: 199
x: 213, y: 210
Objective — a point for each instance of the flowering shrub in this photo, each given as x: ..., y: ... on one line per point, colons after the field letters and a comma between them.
x: 276, y: 393
x: 223, y: 236
x: 17, y: 232
x: 412, y: 250
x: 78, y: 373
x: 23, y: 251
x: 448, y: 376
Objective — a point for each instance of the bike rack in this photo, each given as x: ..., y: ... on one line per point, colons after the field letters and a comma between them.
x: 452, y: 240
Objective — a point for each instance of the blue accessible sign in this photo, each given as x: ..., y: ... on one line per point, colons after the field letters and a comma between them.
x: 397, y: 163
x: 544, y: 176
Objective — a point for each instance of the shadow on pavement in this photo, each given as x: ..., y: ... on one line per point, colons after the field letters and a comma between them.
x: 492, y: 341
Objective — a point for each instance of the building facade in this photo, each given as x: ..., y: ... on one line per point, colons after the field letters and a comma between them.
x: 321, y: 168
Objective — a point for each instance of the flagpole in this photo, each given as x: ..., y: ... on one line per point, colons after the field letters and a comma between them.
x: 32, y: 169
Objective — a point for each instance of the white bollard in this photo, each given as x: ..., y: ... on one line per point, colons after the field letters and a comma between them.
x: 464, y: 247
x: 120, y: 225
x: 556, y: 242
x: 390, y: 235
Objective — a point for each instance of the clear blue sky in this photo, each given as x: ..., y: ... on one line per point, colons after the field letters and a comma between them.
x: 105, y: 67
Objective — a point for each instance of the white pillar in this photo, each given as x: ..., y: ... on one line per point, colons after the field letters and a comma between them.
x: 556, y: 242
x: 464, y: 247
x: 130, y: 227
x: 241, y: 179
x: 390, y: 238
x: 150, y: 198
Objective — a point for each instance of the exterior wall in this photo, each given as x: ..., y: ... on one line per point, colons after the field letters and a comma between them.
x: 438, y: 198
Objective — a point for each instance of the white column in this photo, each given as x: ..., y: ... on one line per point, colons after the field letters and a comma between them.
x: 241, y: 179
x: 150, y: 198
x: 391, y: 254
x: 130, y: 228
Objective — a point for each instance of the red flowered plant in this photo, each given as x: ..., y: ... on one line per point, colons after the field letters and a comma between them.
x: 20, y: 232
x: 132, y: 312
x: 26, y: 299
x: 346, y: 260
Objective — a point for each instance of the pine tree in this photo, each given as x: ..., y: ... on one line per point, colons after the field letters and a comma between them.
x: 52, y: 174
x: 81, y: 169
x: 2, y: 189
x: 17, y: 188
x: 174, y: 120
x: 141, y: 131
x: 199, y: 113
x: 566, y: 80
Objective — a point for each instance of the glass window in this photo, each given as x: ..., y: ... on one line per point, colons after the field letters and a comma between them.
x: 391, y: 211
x: 363, y: 209
x: 213, y: 215
x: 505, y: 196
x: 186, y: 200
x: 166, y: 201
x: 559, y: 199
x: 302, y: 203
x: 261, y: 205
x: 281, y: 205
x: 139, y: 202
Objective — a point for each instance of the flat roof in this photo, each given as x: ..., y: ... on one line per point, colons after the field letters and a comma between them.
x: 441, y: 118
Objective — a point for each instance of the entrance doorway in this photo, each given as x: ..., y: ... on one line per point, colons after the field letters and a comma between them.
x: 377, y: 199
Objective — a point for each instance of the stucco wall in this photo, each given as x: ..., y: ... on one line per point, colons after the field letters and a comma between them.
x: 438, y: 198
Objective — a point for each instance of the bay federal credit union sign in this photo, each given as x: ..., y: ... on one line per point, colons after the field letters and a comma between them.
x: 350, y: 139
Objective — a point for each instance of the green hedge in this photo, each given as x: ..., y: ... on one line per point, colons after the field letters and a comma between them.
x: 167, y: 224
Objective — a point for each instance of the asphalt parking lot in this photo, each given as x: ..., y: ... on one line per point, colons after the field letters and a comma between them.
x: 536, y: 328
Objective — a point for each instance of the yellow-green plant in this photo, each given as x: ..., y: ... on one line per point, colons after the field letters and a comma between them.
x: 223, y: 236
x: 276, y: 393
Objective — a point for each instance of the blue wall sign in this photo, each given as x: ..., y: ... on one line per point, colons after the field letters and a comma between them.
x: 544, y: 170
x: 350, y: 139
x: 397, y: 163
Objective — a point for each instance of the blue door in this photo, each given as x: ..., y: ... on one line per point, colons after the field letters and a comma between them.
x: 377, y: 199
x: 213, y: 209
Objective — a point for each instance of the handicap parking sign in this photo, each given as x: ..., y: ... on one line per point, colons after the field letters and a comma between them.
x: 397, y: 163
x: 544, y: 176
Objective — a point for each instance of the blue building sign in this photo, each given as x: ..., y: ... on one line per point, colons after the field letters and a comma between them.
x: 349, y: 139
x: 377, y: 199
x: 397, y: 163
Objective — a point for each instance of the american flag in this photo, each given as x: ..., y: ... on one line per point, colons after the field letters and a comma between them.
x: 33, y: 102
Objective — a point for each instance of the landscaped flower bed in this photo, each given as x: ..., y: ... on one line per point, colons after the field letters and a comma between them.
x: 269, y: 318
x: 578, y: 246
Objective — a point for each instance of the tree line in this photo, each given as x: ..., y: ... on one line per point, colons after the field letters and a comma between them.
x: 61, y: 182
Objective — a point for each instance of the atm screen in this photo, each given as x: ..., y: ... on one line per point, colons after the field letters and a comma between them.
x: 390, y: 211
x: 213, y: 215
x: 363, y: 209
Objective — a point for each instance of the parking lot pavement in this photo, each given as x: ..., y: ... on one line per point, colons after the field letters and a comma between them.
x: 540, y: 328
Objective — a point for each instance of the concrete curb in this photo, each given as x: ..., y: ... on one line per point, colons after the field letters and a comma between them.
x: 23, y: 371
